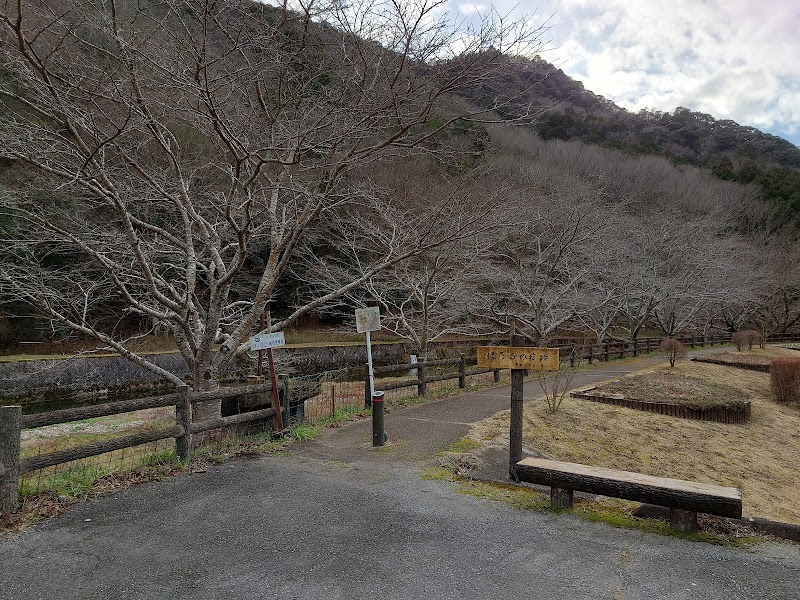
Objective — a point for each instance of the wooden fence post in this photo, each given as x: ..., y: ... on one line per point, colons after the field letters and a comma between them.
x: 462, y: 371
x: 496, y: 374
x: 10, y: 432
x: 591, y: 353
x: 283, y: 384
x: 605, y: 351
x: 421, y: 378
x: 183, y: 418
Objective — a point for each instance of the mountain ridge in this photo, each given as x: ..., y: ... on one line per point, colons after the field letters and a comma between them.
x: 568, y: 111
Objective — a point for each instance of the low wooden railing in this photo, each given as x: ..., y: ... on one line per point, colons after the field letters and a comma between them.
x: 12, y: 422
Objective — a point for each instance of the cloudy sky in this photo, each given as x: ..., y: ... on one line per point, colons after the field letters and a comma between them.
x: 733, y: 59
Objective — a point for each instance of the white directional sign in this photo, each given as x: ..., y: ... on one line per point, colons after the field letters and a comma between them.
x: 262, y: 341
x: 368, y: 319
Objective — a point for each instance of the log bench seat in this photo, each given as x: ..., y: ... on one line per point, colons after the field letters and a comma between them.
x: 684, y: 498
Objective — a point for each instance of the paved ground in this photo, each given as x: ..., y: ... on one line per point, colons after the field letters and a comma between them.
x: 339, y: 519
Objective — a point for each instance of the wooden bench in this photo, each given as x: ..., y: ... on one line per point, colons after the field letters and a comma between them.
x: 684, y: 498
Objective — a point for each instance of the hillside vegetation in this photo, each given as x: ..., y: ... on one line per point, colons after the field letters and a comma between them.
x: 247, y: 157
x: 731, y: 151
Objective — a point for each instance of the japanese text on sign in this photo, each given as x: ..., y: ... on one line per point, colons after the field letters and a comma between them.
x: 368, y: 319
x: 262, y: 341
x: 504, y: 357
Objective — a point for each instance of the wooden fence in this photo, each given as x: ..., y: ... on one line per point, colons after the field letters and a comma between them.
x: 423, y: 376
x: 12, y: 422
x: 569, y: 352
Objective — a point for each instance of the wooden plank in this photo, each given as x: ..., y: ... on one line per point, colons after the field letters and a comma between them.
x: 255, y: 415
x: 97, y: 410
x: 42, y: 461
x: 516, y: 357
x: 675, y: 493
x: 230, y: 392
x: 397, y: 385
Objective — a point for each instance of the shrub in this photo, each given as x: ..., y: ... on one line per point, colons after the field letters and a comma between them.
x: 738, y: 338
x: 746, y: 337
x: 673, y: 349
x: 785, y: 378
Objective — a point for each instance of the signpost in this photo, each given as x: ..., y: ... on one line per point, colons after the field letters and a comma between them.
x: 367, y: 320
x: 263, y: 341
x: 505, y: 357
x: 518, y: 359
x: 267, y: 341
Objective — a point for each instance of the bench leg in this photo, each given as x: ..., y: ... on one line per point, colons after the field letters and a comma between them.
x: 683, y: 520
x: 560, y: 498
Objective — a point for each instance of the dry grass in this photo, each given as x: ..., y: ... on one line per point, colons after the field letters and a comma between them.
x: 674, y: 385
x: 759, y: 457
x: 756, y: 356
x: 53, y: 438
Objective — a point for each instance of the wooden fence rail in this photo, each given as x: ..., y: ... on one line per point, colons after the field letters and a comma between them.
x: 572, y: 353
x: 12, y: 422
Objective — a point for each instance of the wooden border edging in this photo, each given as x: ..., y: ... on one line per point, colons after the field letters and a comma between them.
x: 719, y: 414
x: 736, y: 365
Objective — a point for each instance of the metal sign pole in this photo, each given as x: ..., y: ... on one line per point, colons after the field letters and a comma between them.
x: 369, y: 363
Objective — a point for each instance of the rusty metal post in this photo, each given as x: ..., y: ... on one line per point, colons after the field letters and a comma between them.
x: 276, y: 402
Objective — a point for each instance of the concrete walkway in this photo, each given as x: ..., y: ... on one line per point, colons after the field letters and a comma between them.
x: 339, y: 519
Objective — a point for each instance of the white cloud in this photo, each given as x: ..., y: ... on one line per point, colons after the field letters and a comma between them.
x: 735, y: 59
x: 472, y: 8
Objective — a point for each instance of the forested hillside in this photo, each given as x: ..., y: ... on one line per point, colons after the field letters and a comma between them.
x: 733, y: 152
x: 245, y: 157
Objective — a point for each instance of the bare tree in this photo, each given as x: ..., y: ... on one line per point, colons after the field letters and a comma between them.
x: 163, y: 152
x: 429, y: 295
x: 539, y: 267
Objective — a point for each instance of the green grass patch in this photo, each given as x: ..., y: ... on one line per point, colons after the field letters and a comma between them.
x: 73, y: 482
x: 464, y: 444
x: 617, y: 515
x: 437, y: 474
x: 514, y: 496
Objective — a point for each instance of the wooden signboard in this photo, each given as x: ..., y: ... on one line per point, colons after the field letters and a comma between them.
x: 505, y: 357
